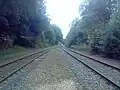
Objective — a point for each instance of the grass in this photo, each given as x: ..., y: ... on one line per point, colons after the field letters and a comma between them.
x: 15, y: 50
x: 81, y: 47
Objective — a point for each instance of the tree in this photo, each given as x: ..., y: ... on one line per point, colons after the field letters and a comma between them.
x: 50, y: 35
x: 24, y: 20
x: 100, y: 23
x: 95, y: 16
x: 58, y: 33
x: 112, y: 37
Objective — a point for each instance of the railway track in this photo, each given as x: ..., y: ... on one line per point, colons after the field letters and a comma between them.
x: 92, y: 64
x: 19, y: 58
x: 9, y: 68
x: 110, y: 65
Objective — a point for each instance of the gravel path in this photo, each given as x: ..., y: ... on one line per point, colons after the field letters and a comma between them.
x: 56, y: 71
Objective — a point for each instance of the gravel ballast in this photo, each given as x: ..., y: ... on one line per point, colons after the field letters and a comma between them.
x: 56, y: 71
x: 110, y: 72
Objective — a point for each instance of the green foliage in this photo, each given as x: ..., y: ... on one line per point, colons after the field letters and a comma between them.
x: 76, y: 34
x: 14, y: 50
x: 81, y: 47
x: 100, y: 24
x: 50, y: 35
x: 53, y: 35
x: 26, y: 24
x: 112, y: 41
x: 58, y: 34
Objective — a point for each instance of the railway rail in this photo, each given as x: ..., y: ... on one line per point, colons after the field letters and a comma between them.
x: 90, y: 64
x: 9, y: 68
x: 113, y: 66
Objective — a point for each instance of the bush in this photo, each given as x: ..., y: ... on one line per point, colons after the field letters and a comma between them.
x: 112, y: 43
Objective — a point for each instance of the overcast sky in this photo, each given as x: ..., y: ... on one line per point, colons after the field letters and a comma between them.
x: 62, y: 12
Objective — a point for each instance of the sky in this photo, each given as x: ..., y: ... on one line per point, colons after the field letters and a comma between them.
x: 63, y: 12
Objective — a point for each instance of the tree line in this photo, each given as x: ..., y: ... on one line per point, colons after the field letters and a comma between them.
x: 98, y: 27
x: 25, y: 23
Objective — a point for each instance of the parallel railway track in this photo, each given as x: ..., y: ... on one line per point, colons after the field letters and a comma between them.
x: 9, y: 68
x: 94, y: 59
x: 68, y: 51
